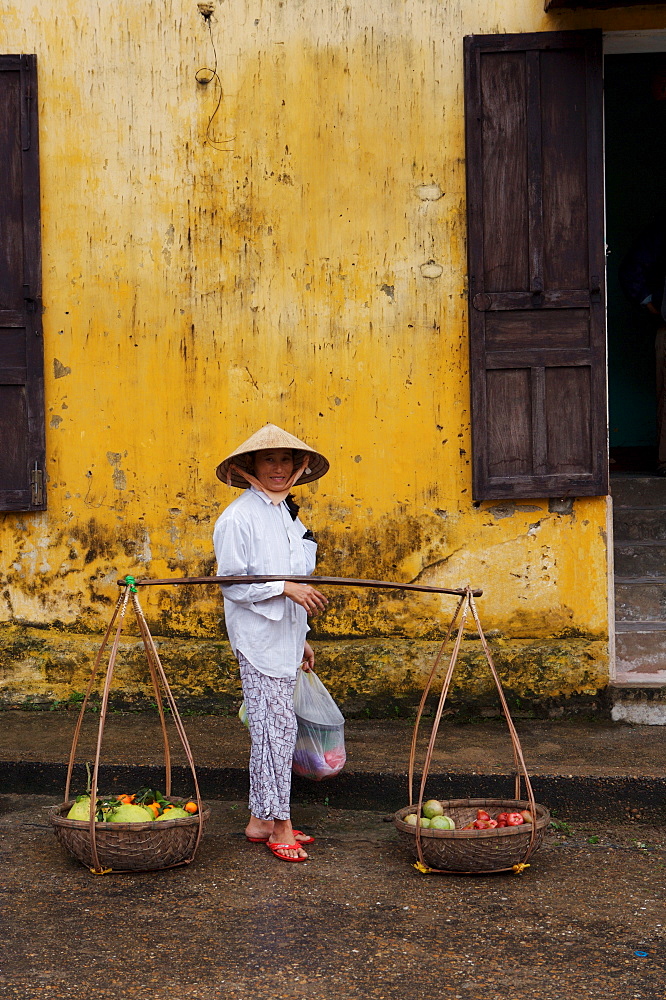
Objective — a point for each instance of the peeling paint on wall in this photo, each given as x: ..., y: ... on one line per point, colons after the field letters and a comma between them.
x: 508, y: 508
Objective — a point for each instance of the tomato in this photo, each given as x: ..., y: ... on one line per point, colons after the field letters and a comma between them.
x: 481, y: 814
x: 485, y: 824
x: 502, y: 816
x: 501, y: 822
x: 514, y: 819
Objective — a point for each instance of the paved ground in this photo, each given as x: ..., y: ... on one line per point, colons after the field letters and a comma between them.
x: 563, y: 746
x: 587, y: 919
x: 587, y: 768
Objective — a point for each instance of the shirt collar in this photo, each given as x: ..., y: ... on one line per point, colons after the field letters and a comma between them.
x: 260, y: 493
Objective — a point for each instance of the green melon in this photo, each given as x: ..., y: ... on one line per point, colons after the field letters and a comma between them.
x: 175, y: 813
x: 433, y: 808
x: 130, y: 813
x: 442, y: 823
x: 81, y: 808
x: 412, y: 819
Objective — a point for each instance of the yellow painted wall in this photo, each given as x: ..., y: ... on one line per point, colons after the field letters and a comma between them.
x: 194, y: 290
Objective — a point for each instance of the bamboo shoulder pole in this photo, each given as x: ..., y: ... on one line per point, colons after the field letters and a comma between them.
x: 331, y: 581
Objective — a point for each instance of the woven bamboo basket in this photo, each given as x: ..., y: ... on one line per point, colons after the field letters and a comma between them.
x: 461, y: 851
x: 130, y: 847
x: 475, y: 851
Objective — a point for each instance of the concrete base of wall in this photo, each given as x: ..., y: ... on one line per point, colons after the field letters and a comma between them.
x: 43, y: 667
x: 643, y: 706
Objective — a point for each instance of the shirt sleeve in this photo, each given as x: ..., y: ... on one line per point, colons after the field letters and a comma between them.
x: 231, y: 540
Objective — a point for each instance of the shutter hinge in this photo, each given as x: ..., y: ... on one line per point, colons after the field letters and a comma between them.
x: 37, y: 485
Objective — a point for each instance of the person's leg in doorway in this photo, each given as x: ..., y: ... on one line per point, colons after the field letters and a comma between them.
x: 660, y: 354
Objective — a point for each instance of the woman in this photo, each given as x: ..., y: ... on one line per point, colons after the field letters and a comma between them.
x: 259, y: 534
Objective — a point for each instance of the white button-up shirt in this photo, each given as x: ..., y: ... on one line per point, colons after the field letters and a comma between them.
x: 254, y: 537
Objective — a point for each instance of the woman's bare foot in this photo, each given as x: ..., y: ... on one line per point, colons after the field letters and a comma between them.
x: 283, y: 833
x: 259, y: 829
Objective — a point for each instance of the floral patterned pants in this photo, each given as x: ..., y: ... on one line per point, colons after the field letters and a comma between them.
x: 272, y: 722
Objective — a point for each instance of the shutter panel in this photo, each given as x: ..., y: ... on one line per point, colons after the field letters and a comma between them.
x: 21, y: 348
x: 536, y: 264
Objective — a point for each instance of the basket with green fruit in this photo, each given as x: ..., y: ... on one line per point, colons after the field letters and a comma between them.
x: 145, y: 830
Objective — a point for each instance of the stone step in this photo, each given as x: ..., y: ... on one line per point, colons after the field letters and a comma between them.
x: 639, y: 524
x: 642, y: 705
x: 638, y: 491
x: 640, y: 599
x: 640, y: 559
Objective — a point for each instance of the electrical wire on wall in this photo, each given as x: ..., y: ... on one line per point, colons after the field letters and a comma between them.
x: 206, y: 75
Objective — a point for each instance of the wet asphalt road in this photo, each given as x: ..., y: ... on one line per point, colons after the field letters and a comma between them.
x: 588, y: 919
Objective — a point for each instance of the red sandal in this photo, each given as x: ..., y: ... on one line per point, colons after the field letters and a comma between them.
x: 276, y: 848
x: 307, y: 839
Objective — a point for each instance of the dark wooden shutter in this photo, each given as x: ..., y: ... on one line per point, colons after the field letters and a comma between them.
x: 21, y: 351
x: 536, y: 264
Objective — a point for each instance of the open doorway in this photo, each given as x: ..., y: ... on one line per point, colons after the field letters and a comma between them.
x: 635, y: 166
x: 635, y: 159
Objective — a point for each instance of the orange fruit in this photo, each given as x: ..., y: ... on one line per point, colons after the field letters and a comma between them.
x: 154, y: 808
x: 190, y: 807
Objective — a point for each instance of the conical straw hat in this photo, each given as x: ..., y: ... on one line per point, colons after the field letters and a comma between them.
x: 271, y: 436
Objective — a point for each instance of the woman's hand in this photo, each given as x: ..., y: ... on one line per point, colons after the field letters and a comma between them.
x: 308, y: 658
x: 302, y: 593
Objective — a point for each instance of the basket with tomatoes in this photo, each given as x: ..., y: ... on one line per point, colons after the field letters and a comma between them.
x: 469, y: 836
x: 473, y: 835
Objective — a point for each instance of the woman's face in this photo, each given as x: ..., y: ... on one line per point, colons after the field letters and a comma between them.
x: 273, y: 467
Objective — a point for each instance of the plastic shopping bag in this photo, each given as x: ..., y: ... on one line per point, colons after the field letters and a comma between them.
x: 320, y: 742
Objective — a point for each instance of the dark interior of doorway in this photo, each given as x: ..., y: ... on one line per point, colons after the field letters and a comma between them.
x: 635, y: 154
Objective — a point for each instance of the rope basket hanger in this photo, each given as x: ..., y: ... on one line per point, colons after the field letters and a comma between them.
x: 145, y: 846
x: 465, y: 851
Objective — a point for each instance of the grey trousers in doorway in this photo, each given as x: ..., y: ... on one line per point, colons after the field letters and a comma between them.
x: 660, y: 354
